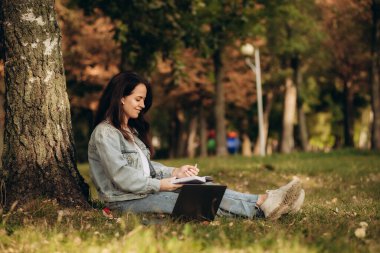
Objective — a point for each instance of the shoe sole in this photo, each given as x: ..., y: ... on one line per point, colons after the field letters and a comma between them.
x: 291, y: 196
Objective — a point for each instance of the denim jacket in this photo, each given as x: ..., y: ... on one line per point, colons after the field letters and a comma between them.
x: 116, y: 167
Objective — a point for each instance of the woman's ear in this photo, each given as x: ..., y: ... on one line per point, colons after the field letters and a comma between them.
x: 122, y: 100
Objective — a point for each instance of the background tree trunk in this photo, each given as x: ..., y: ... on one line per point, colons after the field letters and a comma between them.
x: 302, y: 127
x: 39, y: 155
x: 203, y: 132
x: 2, y: 115
x: 268, y: 108
x: 375, y: 79
x: 303, y: 132
x: 246, y: 146
x: 182, y: 143
x: 2, y: 86
x: 191, y: 141
x: 348, y: 114
x: 174, y: 134
x: 181, y: 140
x: 177, y: 126
x: 221, y: 148
x: 290, y: 100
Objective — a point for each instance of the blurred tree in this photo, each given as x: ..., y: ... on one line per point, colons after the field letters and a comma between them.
x: 2, y: 84
x: 345, y: 23
x: 147, y: 31
x: 147, y: 27
x: 210, y: 26
x: 375, y: 79
x: 91, y: 57
x: 187, y: 84
x: 39, y: 155
x: 143, y: 28
x: 293, y: 35
x: 187, y: 89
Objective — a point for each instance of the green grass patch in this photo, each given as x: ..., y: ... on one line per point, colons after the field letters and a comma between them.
x: 342, y: 190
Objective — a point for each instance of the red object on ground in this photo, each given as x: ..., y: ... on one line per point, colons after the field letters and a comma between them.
x: 107, y: 210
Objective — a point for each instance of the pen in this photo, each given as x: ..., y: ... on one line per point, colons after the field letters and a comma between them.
x: 196, y: 165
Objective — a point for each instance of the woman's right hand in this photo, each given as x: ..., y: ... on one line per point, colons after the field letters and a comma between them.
x: 167, y: 185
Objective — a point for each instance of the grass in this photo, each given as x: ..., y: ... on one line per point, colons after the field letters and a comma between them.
x: 342, y: 190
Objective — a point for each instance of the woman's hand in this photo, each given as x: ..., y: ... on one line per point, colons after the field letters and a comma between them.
x: 185, y: 171
x: 167, y: 185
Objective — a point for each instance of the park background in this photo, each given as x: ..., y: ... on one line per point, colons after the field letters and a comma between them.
x: 320, y: 80
x: 316, y: 59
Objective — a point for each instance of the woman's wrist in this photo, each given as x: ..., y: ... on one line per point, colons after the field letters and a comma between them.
x: 175, y: 171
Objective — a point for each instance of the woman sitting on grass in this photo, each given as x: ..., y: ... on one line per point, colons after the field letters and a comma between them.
x: 126, y: 179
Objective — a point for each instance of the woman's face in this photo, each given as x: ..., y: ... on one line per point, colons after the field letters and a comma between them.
x: 134, y: 103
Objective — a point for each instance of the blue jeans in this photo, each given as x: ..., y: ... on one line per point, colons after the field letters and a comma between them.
x: 233, y: 204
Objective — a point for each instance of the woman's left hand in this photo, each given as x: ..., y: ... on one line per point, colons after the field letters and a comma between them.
x: 185, y: 171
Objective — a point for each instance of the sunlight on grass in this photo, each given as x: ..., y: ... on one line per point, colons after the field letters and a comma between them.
x: 140, y: 239
x: 342, y: 192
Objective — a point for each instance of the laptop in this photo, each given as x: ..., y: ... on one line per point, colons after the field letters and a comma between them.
x: 198, y: 202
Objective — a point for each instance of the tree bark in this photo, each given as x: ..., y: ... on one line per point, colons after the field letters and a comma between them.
x: 348, y: 114
x: 191, y: 141
x: 246, y: 146
x: 176, y: 133
x: 203, y: 132
x: 181, y: 140
x: 182, y: 143
x: 2, y: 86
x: 302, y: 127
x: 2, y: 113
x: 268, y: 108
x: 303, y: 132
x: 39, y: 154
x: 375, y: 79
x: 221, y: 148
x: 290, y: 100
x: 173, y: 137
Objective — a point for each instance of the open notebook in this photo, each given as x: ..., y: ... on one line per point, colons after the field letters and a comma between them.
x: 192, y: 180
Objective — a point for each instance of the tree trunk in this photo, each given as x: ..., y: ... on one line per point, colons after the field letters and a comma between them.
x: 182, y: 143
x: 268, y: 108
x: 176, y: 133
x: 246, y: 146
x: 2, y: 86
x: 182, y: 134
x: 2, y: 114
x: 39, y: 155
x: 290, y: 100
x: 302, y: 127
x: 375, y: 79
x: 191, y: 141
x: 221, y: 148
x: 348, y: 114
x: 203, y: 132
x: 173, y: 137
x: 303, y: 132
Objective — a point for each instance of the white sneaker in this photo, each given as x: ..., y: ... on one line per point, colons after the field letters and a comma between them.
x: 298, y: 204
x: 282, y: 200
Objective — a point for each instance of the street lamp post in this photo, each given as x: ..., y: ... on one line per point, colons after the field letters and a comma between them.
x: 248, y: 50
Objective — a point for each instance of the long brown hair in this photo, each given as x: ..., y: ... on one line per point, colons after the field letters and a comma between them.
x: 110, y: 108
